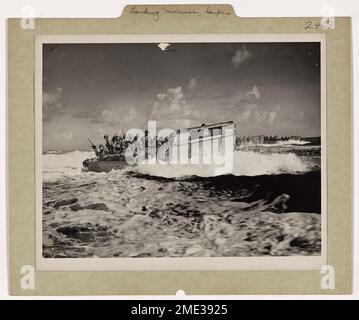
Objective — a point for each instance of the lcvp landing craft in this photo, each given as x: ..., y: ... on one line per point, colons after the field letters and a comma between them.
x: 215, y: 133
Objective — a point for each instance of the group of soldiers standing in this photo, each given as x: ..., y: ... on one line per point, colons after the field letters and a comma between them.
x: 114, y: 148
x: 110, y: 148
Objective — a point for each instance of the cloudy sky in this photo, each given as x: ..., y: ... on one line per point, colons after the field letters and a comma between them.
x: 93, y: 89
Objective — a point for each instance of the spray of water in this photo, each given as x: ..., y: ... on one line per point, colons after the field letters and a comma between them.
x: 244, y: 164
x: 57, y: 166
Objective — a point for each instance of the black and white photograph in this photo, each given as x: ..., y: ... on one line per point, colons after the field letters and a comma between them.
x: 175, y: 149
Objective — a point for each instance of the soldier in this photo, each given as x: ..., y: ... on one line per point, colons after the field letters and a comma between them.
x: 96, y: 150
x: 109, y: 145
x: 100, y: 151
x: 118, y: 145
x: 114, y: 138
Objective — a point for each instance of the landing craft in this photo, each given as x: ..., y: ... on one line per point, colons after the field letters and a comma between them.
x: 193, y: 144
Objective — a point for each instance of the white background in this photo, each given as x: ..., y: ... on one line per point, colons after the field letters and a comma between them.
x: 113, y: 8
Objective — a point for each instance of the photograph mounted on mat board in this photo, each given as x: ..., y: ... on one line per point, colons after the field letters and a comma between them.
x: 238, y: 182
x: 174, y: 152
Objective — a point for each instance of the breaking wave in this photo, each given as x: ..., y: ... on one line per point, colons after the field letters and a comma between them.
x: 254, y: 163
x: 245, y: 163
x: 291, y: 142
x: 56, y: 166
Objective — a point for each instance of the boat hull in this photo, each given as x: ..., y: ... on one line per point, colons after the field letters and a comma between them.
x: 104, y: 166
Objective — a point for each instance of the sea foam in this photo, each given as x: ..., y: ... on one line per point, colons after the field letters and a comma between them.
x: 56, y: 166
x: 245, y: 163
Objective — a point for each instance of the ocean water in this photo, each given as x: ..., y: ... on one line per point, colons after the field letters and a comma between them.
x: 269, y: 205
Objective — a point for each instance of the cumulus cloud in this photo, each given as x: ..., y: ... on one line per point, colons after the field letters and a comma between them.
x: 172, y: 110
x: 193, y: 82
x: 112, y: 116
x: 241, y: 56
x: 52, y: 106
x: 251, y: 114
x: 257, y: 118
x: 254, y: 93
x: 169, y: 104
x: 240, y: 99
x: 116, y: 117
x: 273, y: 115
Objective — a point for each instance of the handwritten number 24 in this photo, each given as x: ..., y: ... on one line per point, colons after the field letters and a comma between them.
x: 311, y: 25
